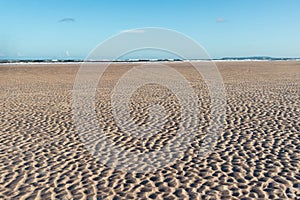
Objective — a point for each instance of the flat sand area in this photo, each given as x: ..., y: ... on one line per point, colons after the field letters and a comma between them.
x: 257, y: 155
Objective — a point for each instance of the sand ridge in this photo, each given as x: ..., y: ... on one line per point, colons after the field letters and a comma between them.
x: 256, y: 157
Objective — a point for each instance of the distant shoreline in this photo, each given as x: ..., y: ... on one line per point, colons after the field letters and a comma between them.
x: 58, y: 61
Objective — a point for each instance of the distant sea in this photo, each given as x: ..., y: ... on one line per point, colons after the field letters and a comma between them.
x: 254, y: 58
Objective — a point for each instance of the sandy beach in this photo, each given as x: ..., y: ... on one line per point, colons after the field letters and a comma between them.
x: 256, y: 157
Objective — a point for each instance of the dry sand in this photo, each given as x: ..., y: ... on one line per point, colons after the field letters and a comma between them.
x: 256, y: 157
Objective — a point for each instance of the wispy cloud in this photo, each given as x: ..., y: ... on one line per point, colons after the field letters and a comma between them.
x: 220, y: 20
x: 67, y: 53
x: 66, y: 20
x: 133, y: 31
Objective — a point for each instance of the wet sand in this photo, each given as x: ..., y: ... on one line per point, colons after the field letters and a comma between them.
x: 256, y: 157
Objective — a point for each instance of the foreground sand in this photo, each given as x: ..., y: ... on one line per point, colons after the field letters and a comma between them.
x: 256, y: 157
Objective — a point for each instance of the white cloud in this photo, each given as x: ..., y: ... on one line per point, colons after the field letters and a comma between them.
x: 133, y: 31
x: 220, y: 20
x: 67, y: 53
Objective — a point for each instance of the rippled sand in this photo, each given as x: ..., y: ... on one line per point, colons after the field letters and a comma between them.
x: 256, y: 157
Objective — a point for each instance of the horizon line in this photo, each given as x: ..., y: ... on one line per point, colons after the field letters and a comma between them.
x: 50, y: 60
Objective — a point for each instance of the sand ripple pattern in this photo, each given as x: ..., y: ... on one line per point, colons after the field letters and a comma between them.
x: 153, y: 119
x: 256, y: 157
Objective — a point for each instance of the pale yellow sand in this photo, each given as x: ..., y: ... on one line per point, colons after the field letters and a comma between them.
x: 256, y: 157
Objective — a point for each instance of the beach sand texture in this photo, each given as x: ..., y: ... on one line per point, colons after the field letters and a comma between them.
x: 256, y: 157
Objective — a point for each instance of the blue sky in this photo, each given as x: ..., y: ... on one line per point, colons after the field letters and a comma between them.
x: 71, y: 29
